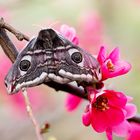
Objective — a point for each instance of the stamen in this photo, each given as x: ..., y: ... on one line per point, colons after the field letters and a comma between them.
x: 110, y: 65
x: 101, y: 103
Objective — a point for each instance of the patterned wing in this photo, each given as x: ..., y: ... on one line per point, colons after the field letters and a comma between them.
x: 51, y: 57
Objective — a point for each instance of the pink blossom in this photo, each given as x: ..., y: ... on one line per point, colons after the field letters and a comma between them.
x: 109, y: 104
x: 130, y: 109
x: 90, y: 31
x: 123, y: 129
x: 135, y: 132
x: 72, y: 102
x: 69, y: 33
x: 108, y: 113
x: 112, y: 65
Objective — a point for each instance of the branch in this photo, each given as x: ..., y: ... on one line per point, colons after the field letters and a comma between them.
x: 135, y: 119
x: 17, y: 33
x: 31, y: 115
x: 7, y: 45
x: 11, y: 51
x: 71, y: 89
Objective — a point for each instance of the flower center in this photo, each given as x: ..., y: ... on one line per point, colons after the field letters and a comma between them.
x: 101, y: 103
x: 110, y: 65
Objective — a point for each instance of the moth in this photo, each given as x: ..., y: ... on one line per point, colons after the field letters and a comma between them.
x: 51, y: 57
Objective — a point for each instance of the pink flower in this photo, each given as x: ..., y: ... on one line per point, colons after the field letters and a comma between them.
x: 69, y: 33
x: 109, y: 104
x: 123, y: 129
x: 72, y: 102
x: 108, y: 113
x: 90, y: 31
x: 135, y: 132
x: 112, y: 65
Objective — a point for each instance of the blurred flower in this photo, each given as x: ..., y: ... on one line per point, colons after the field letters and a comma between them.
x: 135, y: 132
x: 91, y: 32
x: 72, y: 102
x: 69, y: 33
x: 112, y: 65
x: 100, y: 111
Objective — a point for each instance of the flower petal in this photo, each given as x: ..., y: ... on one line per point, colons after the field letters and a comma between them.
x: 69, y: 33
x: 114, y: 55
x: 72, y: 102
x: 117, y: 115
x: 131, y: 110
x: 99, y: 123
x: 135, y: 132
x: 129, y: 98
x: 109, y: 134
x: 122, y: 130
x: 101, y: 55
x: 86, y: 117
x: 75, y: 40
x: 117, y: 99
x: 120, y: 68
x: 101, y: 120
